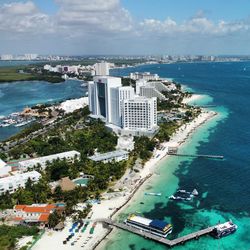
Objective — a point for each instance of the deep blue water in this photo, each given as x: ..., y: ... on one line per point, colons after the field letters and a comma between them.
x: 224, y: 184
x: 14, y: 97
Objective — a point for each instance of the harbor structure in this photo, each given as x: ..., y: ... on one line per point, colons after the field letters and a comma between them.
x: 149, y: 235
x: 117, y: 155
x: 4, y: 169
x: 42, y: 161
x: 156, y: 227
x: 14, y: 182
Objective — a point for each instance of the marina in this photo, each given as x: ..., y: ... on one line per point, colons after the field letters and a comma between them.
x: 15, y: 119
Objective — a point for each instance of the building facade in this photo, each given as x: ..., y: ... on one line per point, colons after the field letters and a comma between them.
x: 4, y: 168
x: 140, y: 114
x: 101, y: 69
x: 35, y: 213
x: 42, y: 161
x: 118, y: 155
x: 12, y: 183
x: 144, y: 76
x: 118, y: 106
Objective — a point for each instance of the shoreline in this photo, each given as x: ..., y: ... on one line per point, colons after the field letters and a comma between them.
x: 151, y: 164
x: 116, y: 202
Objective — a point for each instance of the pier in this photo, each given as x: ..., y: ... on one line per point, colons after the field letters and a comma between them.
x: 198, y: 156
x: 164, y: 241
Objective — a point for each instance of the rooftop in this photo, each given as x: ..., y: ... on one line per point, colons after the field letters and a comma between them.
x: 109, y: 155
x: 140, y: 220
x: 49, y: 157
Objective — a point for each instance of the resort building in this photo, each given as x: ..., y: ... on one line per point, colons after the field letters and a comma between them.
x: 144, y: 76
x: 117, y: 105
x: 103, y: 98
x: 42, y: 161
x: 140, y: 114
x: 12, y: 183
x: 4, y: 169
x: 101, y: 69
x: 118, y: 155
x: 154, y: 88
x: 35, y: 213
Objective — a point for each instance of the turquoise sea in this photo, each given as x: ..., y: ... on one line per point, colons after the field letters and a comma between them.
x: 14, y: 97
x: 223, y: 185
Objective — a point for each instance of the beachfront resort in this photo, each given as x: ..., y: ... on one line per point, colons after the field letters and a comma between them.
x: 90, y: 161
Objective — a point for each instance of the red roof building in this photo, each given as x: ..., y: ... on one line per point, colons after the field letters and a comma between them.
x: 36, y: 213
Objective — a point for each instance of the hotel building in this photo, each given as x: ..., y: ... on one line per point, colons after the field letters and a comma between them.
x: 13, y: 182
x: 118, y: 106
x: 42, y: 161
x: 140, y: 113
x: 101, y: 69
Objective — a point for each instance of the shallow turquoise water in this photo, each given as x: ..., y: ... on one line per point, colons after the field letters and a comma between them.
x: 223, y: 185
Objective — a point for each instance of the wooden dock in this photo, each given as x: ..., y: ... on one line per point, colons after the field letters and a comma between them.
x: 198, y: 156
x: 164, y: 241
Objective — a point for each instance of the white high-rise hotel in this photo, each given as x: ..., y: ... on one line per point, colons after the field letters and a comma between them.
x: 119, y: 106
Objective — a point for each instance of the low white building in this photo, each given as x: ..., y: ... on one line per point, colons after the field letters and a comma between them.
x: 118, y: 155
x: 42, y: 161
x: 4, y: 168
x: 144, y: 76
x: 12, y: 183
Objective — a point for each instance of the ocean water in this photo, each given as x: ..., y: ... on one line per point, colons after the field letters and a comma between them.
x: 223, y: 185
x: 15, y: 96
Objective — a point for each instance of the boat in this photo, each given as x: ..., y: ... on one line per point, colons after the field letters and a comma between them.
x: 178, y: 198
x: 4, y: 125
x: 183, y: 195
x: 224, y: 229
x: 195, y: 192
x: 22, y: 123
x: 153, y: 194
x: 156, y: 227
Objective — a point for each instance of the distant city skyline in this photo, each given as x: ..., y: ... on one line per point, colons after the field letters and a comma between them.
x: 126, y: 27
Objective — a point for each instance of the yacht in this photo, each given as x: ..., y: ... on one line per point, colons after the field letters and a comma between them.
x: 224, y: 229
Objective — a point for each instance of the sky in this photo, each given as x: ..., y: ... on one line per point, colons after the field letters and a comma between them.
x: 125, y: 27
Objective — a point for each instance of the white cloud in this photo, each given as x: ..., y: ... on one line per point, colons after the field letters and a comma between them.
x: 23, y: 18
x: 94, y: 15
x: 196, y: 25
x: 106, y: 26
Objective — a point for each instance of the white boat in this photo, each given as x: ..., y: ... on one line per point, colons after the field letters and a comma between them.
x: 22, y: 124
x: 4, y: 125
x: 224, y: 229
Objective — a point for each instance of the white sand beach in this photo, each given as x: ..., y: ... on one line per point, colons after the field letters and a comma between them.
x: 192, y: 99
x: 70, y: 106
x: 116, y: 201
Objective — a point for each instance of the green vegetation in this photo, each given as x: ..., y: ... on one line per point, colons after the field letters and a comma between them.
x: 12, y: 74
x: 128, y: 82
x: 144, y: 147
x: 9, y: 235
x: 26, y: 131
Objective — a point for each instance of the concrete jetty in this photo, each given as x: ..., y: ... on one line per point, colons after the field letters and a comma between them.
x: 164, y: 241
x: 198, y: 156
